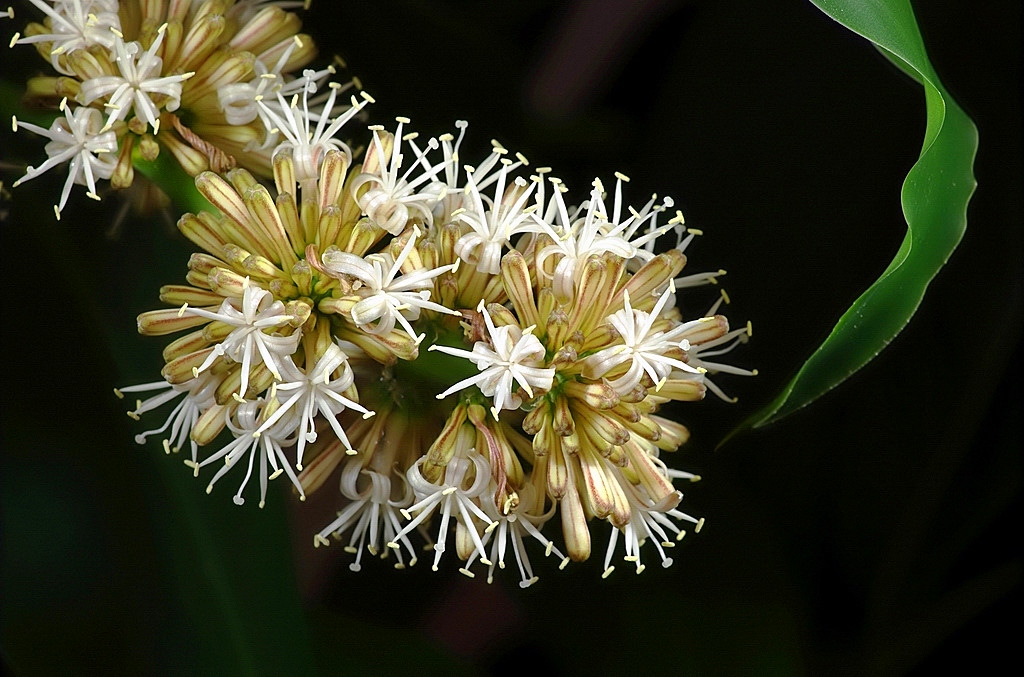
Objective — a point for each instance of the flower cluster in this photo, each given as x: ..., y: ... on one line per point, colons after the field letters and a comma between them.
x: 210, y: 82
x: 477, y: 359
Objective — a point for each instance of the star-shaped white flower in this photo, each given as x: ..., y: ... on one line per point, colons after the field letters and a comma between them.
x: 78, y: 137
x: 649, y: 523
x: 387, y: 296
x: 493, y: 221
x: 249, y: 343
x: 75, y: 24
x: 643, y: 349
x: 307, y: 144
x: 454, y: 498
x: 197, y: 395
x: 513, y: 354
x: 372, y: 515
x: 394, y: 196
x: 304, y: 394
x: 513, y: 528
x: 141, y: 84
x: 239, y: 101
x: 595, y: 232
x: 268, y: 447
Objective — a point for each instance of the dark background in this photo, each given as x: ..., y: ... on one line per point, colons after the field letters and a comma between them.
x: 872, y: 533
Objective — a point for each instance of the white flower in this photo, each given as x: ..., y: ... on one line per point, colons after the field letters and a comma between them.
x: 513, y: 354
x: 493, y: 222
x: 239, y: 100
x: 387, y: 297
x: 649, y: 522
x: 308, y: 146
x: 139, y: 82
x: 372, y: 515
x: 249, y: 343
x: 395, y: 198
x: 597, y: 232
x: 303, y: 395
x: 453, y: 497
x: 197, y: 395
x: 77, y: 137
x: 511, y: 529
x: 450, y: 187
x: 267, y: 446
x: 643, y: 349
x: 76, y: 24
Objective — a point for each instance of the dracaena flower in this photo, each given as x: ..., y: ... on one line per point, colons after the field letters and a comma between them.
x: 158, y: 80
x: 139, y: 84
x: 553, y: 343
x: 385, y: 296
x: 79, y: 139
x: 508, y: 355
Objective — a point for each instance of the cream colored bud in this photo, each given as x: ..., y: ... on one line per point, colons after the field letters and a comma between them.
x: 227, y: 283
x: 263, y: 211
x: 213, y: 74
x: 167, y: 321
x: 444, y: 445
x: 707, y: 329
x: 202, y: 233
x: 684, y: 390
x: 149, y: 149
x: 210, y: 424
x: 200, y: 41
x: 561, y: 418
x: 673, y: 435
x: 333, y: 173
x: 594, y: 395
x: 516, y: 277
x: 268, y: 27
x: 179, y: 294
x: 557, y: 473
x: 574, y: 525
x: 191, y: 160
x: 652, y: 277
x: 182, y: 369
x: 223, y: 196
x: 647, y: 473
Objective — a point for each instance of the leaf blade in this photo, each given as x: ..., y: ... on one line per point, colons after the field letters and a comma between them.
x: 934, y: 197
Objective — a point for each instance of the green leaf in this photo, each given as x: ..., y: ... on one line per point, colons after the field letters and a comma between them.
x: 934, y: 198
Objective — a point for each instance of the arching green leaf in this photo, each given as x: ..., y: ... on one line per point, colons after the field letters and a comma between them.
x: 934, y: 197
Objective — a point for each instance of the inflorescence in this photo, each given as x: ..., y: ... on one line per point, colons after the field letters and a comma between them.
x: 207, y: 81
x: 472, y: 354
